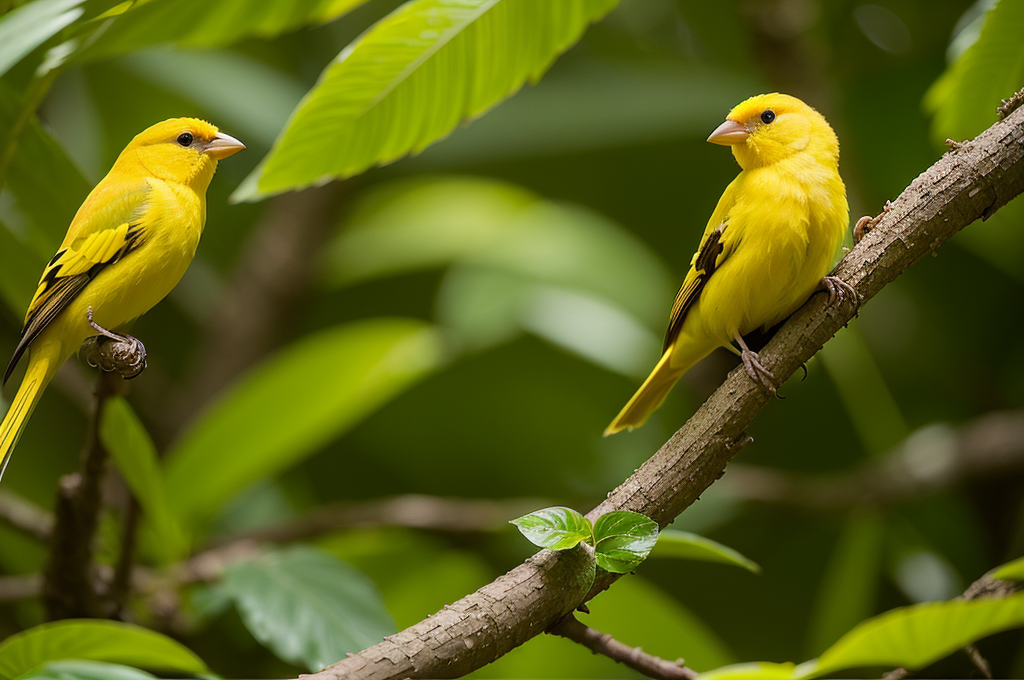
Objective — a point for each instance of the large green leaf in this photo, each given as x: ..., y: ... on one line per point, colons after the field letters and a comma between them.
x: 46, y: 184
x: 911, y: 637
x: 306, y: 606
x: 1011, y: 571
x: 688, y: 546
x: 294, y: 403
x: 209, y: 23
x: 133, y: 452
x: 87, y: 670
x: 918, y: 635
x: 964, y: 99
x: 19, y: 271
x: 29, y: 26
x: 93, y: 640
x: 413, y: 77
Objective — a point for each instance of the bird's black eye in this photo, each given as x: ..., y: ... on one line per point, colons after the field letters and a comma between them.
x: 767, y: 116
x: 185, y: 138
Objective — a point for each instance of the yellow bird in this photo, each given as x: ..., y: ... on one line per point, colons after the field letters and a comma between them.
x: 768, y: 245
x: 128, y: 246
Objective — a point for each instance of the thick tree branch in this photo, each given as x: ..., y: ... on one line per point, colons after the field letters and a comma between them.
x: 970, y: 183
x: 931, y: 459
x: 634, y: 657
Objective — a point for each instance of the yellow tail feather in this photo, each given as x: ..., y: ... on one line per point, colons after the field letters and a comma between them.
x: 36, y: 378
x: 650, y: 395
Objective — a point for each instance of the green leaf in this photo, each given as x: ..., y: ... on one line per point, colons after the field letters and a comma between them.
x: 293, y: 404
x: 88, y: 670
x: 19, y: 271
x: 758, y: 670
x: 1011, y: 571
x: 558, y: 528
x: 683, y: 544
x: 46, y: 184
x: 209, y: 23
x: 93, y: 640
x: 133, y: 452
x: 846, y: 593
x: 623, y: 539
x: 29, y: 26
x: 306, y: 606
x: 965, y: 97
x: 413, y: 77
x: 916, y: 636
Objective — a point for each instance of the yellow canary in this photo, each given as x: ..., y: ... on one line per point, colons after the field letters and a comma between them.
x: 768, y: 245
x: 128, y: 246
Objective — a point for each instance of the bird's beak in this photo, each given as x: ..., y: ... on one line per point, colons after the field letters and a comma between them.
x: 729, y: 133
x: 223, y: 146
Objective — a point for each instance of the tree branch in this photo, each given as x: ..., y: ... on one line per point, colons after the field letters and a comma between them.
x: 964, y: 185
x: 69, y: 584
x: 931, y: 459
x: 634, y: 657
x: 24, y: 516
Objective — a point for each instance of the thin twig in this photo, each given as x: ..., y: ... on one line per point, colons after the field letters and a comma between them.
x: 634, y: 657
x: 448, y: 515
x: 120, y: 585
x: 24, y: 516
x: 931, y: 459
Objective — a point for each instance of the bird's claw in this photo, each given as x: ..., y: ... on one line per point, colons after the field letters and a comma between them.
x: 757, y: 372
x: 114, y: 353
x: 838, y: 290
x: 867, y: 223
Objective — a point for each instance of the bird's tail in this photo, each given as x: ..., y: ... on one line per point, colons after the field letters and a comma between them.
x: 650, y: 395
x: 40, y: 370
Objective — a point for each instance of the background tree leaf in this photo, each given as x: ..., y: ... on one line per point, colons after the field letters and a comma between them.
x: 87, y: 670
x: 133, y: 452
x: 94, y: 640
x: 306, y: 606
x: 965, y: 97
x: 623, y: 540
x: 1011, y: 571
x: 208, y: 23
x: 297, y: 401
x: 27, y: 27
x: 404, y: 83
x: 557, y: 528
x: 917, y: 635
x: 689, y: 546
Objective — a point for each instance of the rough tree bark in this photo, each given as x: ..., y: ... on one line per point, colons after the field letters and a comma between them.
x: 970, y: 182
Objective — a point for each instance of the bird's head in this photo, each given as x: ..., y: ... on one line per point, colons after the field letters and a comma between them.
x: 771, y: 127
x: 181, y: 150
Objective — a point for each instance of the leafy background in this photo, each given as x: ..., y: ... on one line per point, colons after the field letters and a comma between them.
x: 465, y: 322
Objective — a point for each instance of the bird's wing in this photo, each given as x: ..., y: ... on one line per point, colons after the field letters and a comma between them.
x: 95, y: 241
x: 715, y: 247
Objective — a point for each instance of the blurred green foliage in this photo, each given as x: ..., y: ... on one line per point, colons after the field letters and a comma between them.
x: 465, y: 322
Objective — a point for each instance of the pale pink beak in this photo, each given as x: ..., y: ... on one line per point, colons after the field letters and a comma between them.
x: 729, y: 133
x: 222, y: 146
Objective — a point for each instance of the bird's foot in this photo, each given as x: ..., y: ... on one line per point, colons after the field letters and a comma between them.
x: 867, y: 223
x: 838, y: 290
x: 114, y: 353
x: 757, y: 372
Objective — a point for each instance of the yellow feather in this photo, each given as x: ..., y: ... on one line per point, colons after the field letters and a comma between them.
x: 780, y: 224
x: 127, y: 247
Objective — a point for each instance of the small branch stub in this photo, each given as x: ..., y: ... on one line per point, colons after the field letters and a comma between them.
x: 1012, y: 104
x: 114, y: 353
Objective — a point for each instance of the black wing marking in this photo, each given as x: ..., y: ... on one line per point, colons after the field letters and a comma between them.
x: 704, y: 266
x: 56, y: 292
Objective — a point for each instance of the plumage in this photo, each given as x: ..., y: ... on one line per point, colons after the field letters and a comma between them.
x: 770, y: 241
x: 127, y: 247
